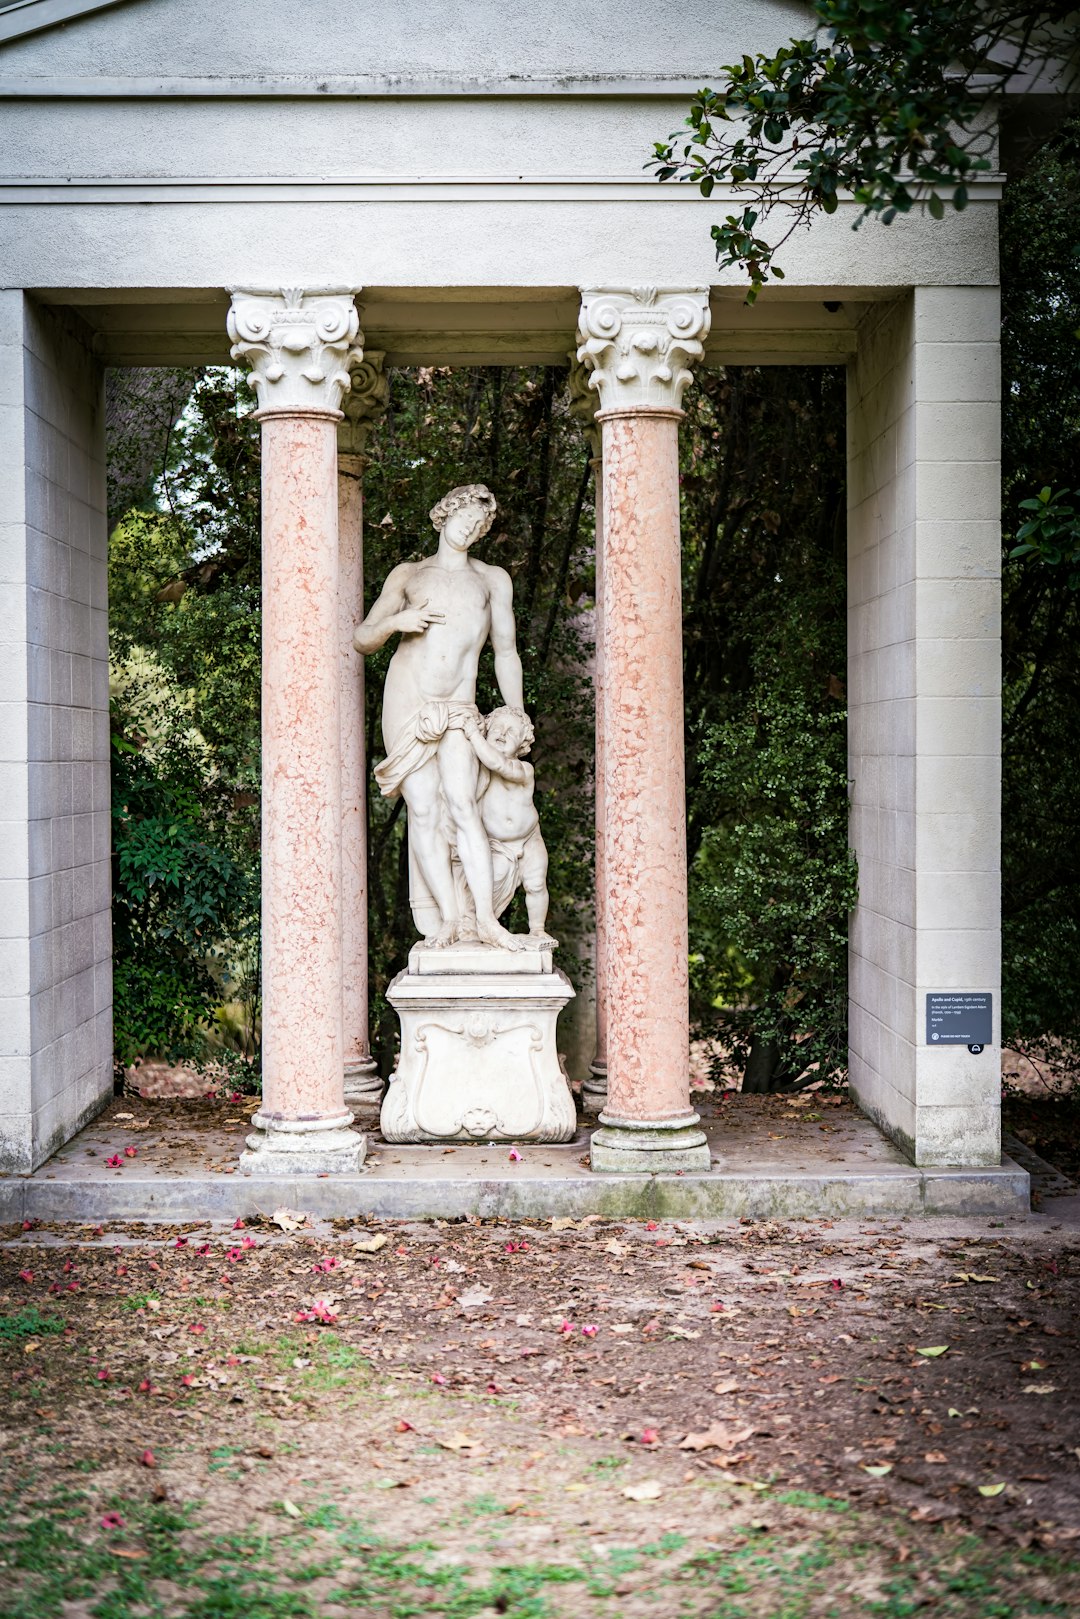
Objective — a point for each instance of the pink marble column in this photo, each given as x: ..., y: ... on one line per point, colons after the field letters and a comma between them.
x: 363, y: 404
x: 638, y: 346
x: 584, y: 404
x: 297, y: 347
x: 594, y: 1090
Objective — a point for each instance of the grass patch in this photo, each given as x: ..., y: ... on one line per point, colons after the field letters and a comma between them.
x: 811, y: 1502
x: 334, y: 1363
x: 29, y: 1323
x: 164, y: 1562
x: 139, y: 1301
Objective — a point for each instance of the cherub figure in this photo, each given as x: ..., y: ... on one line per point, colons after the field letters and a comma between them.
x: 505, y: 798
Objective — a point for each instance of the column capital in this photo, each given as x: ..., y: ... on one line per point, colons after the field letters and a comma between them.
x: 584, y: 402
x: 299, y: 346
x: 365, y: 403
x: 639, y: 343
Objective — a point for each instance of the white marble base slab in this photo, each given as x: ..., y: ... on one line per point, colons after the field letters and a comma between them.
x: 474, y: 957
x: 479, y: 1059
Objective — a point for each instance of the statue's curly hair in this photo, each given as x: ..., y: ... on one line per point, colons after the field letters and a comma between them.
x: 525, y: 725
x: 464, y: 495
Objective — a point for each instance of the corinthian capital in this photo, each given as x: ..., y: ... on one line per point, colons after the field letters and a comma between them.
x: 364, y: 403
x: 298, y: 344
x: 639, y: 344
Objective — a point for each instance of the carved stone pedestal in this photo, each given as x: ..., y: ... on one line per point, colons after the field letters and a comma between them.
x: 479, y: 1060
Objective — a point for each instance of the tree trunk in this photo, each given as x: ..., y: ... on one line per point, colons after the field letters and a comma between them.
x: 761, y: 1073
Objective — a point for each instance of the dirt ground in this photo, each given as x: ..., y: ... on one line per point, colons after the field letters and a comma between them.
x: 476, y: 1418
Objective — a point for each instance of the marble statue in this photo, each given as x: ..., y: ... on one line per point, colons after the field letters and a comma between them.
x: 478, y: 1005
x: 519, y: 857
x: 445, y: 608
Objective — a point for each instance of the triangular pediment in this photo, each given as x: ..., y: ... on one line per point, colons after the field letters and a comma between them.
x: 379, y: 44
x: 20, y: 18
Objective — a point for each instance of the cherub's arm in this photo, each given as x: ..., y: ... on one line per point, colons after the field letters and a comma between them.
x: 390, y: 614
x: 515, y: 770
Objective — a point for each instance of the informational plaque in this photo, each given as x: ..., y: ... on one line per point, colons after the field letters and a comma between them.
x: 960, y: 1019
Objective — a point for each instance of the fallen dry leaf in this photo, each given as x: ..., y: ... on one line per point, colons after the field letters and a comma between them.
x: 474, y: 1296
x: 371, y: 1245
x: 289, y: 1219
x: 290, y: 1509
x: 729, y: 1386
x: 717, y: 1436
x: 649, y: 1489
x: 461, y: 1442
x: 1040, y: 1388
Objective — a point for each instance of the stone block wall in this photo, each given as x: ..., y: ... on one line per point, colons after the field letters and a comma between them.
x: 55, y: 880
x: 925, y: 712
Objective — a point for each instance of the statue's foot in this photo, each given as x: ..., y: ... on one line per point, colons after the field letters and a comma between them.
x: 539, y: 937
x: 446, y: 935
x: 495, y: 934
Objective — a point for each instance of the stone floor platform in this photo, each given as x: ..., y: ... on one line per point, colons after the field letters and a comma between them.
x: 771, y: 1160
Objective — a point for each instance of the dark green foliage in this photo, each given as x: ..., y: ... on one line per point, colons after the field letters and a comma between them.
x: 209, y: 631
x: 182, y: 895
x: 184, y: 636
x: 885, y: 102
x: 772, y: 878
x: 29, y: 1322
x: 1041, y: 625
x: 1051, y: 531
x: 141, y: 410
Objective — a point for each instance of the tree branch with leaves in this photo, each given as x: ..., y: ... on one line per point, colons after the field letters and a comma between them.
x: 887, y: 105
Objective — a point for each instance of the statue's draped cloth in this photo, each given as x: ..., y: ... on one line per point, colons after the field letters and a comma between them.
x: 419, y: 741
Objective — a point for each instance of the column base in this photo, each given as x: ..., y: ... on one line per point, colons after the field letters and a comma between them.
x: 594, y: 1089
x: 323, y: 1146
x: 652, y: 1147
x: 363, y: 1085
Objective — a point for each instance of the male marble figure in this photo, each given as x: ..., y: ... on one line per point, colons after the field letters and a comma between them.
x: 445, y: 608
